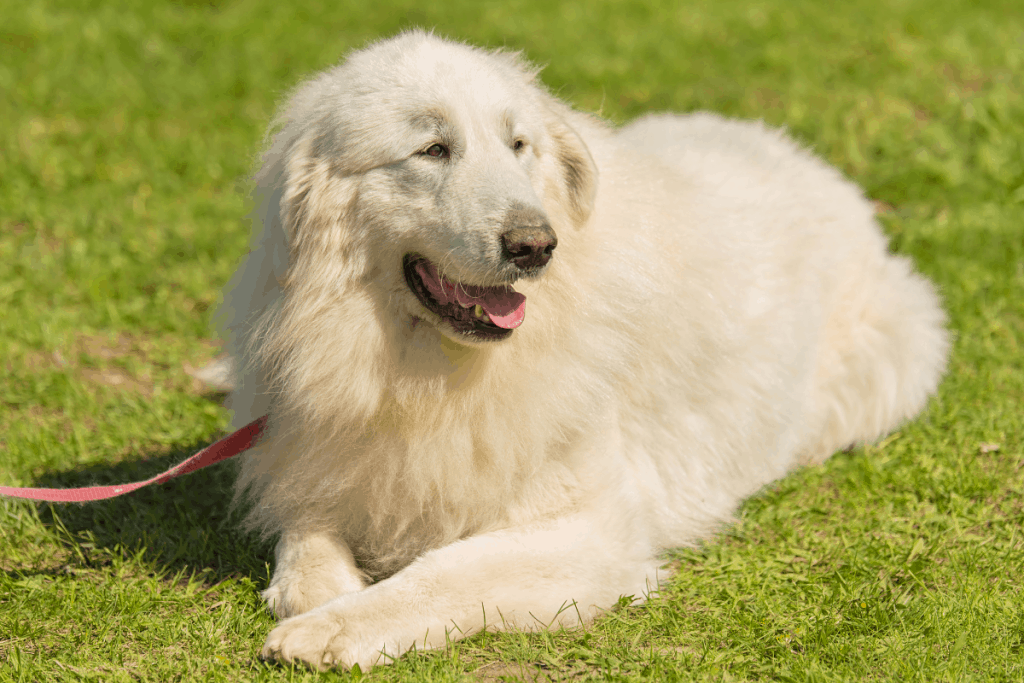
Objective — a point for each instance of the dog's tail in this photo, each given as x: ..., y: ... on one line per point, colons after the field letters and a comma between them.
x: 886, y: 351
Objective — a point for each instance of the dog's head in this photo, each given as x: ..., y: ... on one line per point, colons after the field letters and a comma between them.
x: 434, y: 174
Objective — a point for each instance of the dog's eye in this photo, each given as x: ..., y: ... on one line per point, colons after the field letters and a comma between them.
x: 437, y: 151
x: 518, y: 146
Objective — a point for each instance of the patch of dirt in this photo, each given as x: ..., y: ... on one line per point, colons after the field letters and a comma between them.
x: 501, y: 672
x: 48, y: 242
x: 767, y: 98
x: 88, y: 348
x: 675, y: 651
x: 966, y: 81
x: 132, y: 365
x: 118, y: 378
x: 125, y: 362
x: 883, y: 208
x: 102, y: 346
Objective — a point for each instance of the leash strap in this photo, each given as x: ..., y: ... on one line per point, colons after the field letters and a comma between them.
x: 228, y: 447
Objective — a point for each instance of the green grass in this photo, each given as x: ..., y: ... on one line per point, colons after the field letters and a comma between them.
x: 127, y: 130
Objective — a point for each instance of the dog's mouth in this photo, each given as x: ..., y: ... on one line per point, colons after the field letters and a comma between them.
x: 482, y: 313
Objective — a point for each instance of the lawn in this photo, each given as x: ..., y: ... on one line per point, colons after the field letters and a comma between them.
x: 127, y: 134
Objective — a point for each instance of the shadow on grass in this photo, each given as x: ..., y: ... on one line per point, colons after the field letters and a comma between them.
x: 186, y: 524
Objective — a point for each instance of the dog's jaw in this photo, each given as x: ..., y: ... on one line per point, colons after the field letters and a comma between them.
x: 461, y: 323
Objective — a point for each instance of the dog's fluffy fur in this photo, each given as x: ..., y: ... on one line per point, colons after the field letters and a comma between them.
x: 720, y: 308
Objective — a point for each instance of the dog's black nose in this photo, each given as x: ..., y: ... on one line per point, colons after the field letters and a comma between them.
x: 529, y: 247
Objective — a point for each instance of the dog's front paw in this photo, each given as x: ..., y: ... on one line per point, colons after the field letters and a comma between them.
x: 291, y: 598
x: 298, y: 589
x: 315, y: 638
x: 330, y: 637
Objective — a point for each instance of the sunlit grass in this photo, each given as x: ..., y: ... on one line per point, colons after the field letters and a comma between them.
x: 127, y: 131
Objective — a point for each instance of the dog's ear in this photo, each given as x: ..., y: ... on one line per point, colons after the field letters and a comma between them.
x: 315, y: 200
x: 574, y: 168
x: 303, y: 179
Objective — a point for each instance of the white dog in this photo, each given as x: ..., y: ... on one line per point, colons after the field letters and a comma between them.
x: 510, y: 353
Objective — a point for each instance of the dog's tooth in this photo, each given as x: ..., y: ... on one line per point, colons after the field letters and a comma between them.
x: 478, y: 311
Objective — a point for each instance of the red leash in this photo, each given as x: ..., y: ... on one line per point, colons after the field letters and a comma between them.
x: 228, y: 447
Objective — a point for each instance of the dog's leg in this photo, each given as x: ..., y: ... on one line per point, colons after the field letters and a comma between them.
x: 310, y: 569
x: 557, y: 574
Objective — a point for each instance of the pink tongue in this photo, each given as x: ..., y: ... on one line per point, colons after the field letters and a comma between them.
x: 505, y: 306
